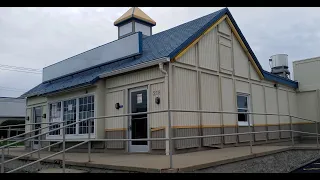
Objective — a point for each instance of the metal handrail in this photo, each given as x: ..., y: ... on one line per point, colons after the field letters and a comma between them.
x: 29, y: 132
x: 15, y: 125
x: 18, y: 157
x: 89, y: 140
x: 47, y: 157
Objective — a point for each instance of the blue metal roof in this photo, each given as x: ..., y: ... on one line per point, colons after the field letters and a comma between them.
x: 164, y: 44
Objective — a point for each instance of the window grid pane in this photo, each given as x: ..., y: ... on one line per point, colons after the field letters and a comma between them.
x: 86, y: 110
x: 69, y: 115
x: 54, y: 117
x: 242, y: 104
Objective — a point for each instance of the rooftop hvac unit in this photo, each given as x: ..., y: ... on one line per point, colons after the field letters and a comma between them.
x: 279, y: 65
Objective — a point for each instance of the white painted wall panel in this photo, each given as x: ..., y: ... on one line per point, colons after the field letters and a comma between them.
x: 242, y: 87
x: 293, y: 106
x: 241, y: 62
x: 258, y: 104
x: 306, y: 72
x: 271, y: 104
x: 224, y: 28
x: 283, y: 106
x: 117, y: 122
x: 225, y: 53
x: 228, y: 101
x: 189, y: 57
x: 142, y: 28
x: 208, y: 55
x: 210, y: 99
x: 158, y: 119
x: 253, y: 73
x: 307, y: 105
x: 184, y: 96
x: 134, y: 77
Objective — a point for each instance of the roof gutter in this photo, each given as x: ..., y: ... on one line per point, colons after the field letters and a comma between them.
x: 135, y: 67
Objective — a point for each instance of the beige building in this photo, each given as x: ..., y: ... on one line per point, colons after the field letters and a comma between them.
x: 205, y: 64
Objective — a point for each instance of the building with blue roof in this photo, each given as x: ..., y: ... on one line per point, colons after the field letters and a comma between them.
x: 202, y: 65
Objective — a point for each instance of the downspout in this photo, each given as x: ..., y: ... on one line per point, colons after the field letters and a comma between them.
x: 169, y: 145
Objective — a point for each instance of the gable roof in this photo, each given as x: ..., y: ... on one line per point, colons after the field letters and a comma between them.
x: 165, y: 44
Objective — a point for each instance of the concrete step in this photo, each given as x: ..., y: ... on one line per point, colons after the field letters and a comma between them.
x: 60, y: 170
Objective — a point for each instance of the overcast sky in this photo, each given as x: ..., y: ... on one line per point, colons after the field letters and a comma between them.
x: 37, y: 37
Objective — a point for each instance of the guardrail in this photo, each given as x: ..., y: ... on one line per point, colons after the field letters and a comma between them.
x: 170, y: 138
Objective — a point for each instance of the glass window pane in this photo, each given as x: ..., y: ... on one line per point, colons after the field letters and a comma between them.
x: 242, y: 117
x: 242, y: 102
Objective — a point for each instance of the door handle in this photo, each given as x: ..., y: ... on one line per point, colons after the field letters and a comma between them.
x: 130, y: 127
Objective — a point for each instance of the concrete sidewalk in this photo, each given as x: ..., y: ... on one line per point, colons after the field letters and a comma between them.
x: 160, y: 163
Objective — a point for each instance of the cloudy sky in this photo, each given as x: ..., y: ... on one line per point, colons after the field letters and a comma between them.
x: 37, y: 37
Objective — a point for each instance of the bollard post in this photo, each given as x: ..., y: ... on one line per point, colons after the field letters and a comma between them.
x: 89, y: 142
x: 64, y: 148
x: 292, y: 134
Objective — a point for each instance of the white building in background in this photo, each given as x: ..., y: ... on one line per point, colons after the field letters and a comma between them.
x: 203, y: 64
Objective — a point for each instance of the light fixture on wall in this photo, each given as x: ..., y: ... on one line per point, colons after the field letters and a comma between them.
x: 44, y: 115
x: 157, y: 100
x: 117, y: 105
x: 27, y: 118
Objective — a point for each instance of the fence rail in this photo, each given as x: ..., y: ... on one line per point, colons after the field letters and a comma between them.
x: 88, y: 139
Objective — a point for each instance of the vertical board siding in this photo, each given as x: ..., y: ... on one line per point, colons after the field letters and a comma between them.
x: 189, y: 57
x: 228, y: 101
x: 225, y: 53
x: 158, y: 119
x: 230, y: 139
x: 258, y: 102
x: 245, y: 137
x: 272, y: 105
x: 186, y: 143
x: 134, y: 77
x: 224, y: 28
x: 240, y: 60
x: 285, y: 134
x: 116, y: 122
x: 158, y: 144
x: 208, y: 56
x: 283, y: 106
x: 115, y: 135
x: 260, y: 136
x: 210, y: 99
x: 273, y: 135
x: 211, y: 140
x: 184, y: 97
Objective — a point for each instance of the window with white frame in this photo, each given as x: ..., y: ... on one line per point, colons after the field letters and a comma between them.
x: 86, y: 110
x: 69, y: 115
x: 54, y: 117
x: 243, y: 106
x: 71, y: 111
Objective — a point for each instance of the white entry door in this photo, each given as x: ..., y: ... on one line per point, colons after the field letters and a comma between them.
x: 138, y: 124
x: 37, y: 118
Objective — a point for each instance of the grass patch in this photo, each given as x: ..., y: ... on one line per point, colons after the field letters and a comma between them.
x: 9, y: 142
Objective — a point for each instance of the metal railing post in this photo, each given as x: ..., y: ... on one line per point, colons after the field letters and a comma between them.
x: 2, y: 161
x: 250, y: 134
x: 63, y: 148
x: 89, y: 142
x: 39, y: 147
x: 9, y: 133
x: 292, y: 133
x: 317, y: 134
x: 170, y: 140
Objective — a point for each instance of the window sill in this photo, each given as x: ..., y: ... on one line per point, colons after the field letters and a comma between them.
x: 243, y: 124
